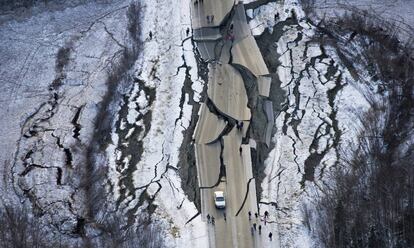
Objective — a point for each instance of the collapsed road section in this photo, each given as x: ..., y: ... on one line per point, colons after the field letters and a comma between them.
x: 222, y: 136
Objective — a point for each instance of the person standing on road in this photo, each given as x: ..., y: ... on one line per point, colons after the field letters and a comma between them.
x: 187, y: 32
x: 254, y: 226
x: 213, y: 221
x: 224, y: 215
x: 208, y: 218
x: 240, y: 150
x: 270, y: 236
x: 250, y: 215
x: 150, y: 35
x: 256, y: 215
x: 260, y: 229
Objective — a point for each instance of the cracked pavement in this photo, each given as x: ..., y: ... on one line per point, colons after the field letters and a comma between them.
x: 222, y: 149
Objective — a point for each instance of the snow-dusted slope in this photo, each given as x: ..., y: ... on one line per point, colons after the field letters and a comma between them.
x: 157, y: 111
x: 316, y: 120
x: 69, y: 79
x: 53, y: 75
x: 398, y: 12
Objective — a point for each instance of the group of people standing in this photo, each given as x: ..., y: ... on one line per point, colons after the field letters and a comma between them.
x: 254, y: 227
x: 210, y: 219
x: 210, y: 19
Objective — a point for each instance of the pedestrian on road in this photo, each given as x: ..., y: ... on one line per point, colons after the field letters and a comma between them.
x: 250, y: 215
x: 187, y: 32
x: 255, y: 214
x: 266, y: 214
x: 208, y: 218
x: 212, y: 18
x: 260, y: 229
x: 208, y: 19
x: 224, y: 215
x: 240, y: 150
x: 254, y: 226
x: 150, y: 35
x: 270, y: 236
x: 213, y: 221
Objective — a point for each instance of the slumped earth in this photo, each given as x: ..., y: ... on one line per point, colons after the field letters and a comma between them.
x: 120, y: 119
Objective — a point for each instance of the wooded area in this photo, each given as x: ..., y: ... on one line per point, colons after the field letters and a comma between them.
x: 372, y: 201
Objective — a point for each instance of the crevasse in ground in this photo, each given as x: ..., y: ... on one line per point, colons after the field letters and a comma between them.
x: 316, y: 120
x: 166, y: 61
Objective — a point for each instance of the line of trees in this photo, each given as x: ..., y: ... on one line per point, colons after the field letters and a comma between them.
x: 20, y: 229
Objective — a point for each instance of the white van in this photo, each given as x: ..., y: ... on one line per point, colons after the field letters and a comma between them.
x: 219, y: 200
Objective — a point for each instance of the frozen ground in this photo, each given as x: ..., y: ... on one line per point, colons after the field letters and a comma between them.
x: 317, y: 118
x: 400, y: 12
x: 53, y: 75
x: 57, y: 67
x: 147, y: 169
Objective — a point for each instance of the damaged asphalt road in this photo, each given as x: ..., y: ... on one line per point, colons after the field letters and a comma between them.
x: 235, y: 85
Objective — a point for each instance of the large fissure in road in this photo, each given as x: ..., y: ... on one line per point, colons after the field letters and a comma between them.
x: 233, y: 134
x: 187, y: 161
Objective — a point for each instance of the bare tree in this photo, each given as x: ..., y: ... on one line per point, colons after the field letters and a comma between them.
x: 116, y: 233
x: 19, y: 229
x: 372, y: 202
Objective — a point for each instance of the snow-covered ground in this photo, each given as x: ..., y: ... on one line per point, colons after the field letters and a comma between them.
x: 162, y: 66
x: 397, y: 10
x: 53, y: 75
x: 54, y: 79
x: 319, y: 119
x: 400, y: 12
